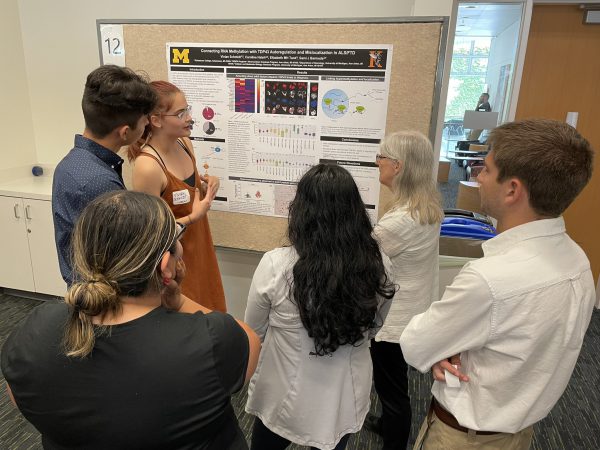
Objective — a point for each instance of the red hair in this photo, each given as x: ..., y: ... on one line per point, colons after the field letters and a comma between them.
x: 166, y: 92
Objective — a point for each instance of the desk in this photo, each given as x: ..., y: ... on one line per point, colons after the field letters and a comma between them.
x: 469, y: 162
x: 469, y: 152
x: 462, y: 160
x: 449, y: 143
x: 466, y: 158
x: 454, y: 156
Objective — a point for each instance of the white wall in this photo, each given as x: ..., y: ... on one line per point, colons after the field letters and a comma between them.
x: 61, y: 47
x: 237, y: 268
x: 16, y: 126
x: 432, y: 8
x: 502, y: 51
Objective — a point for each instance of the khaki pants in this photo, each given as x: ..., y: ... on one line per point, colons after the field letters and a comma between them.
x: 436, y: 435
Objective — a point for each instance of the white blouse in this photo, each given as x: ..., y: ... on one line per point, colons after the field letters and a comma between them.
x: 310, y: 400
x: 413, y: 249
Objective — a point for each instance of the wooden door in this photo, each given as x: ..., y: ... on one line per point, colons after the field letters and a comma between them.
x: 562, y: 74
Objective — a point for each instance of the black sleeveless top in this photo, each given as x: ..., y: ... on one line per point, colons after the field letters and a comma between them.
x: 191, y: 180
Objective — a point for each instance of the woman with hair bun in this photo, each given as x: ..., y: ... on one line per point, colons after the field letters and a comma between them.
x: 409, y: 235
x: 165, y: 166
x: 127, y: 361
x: 315, y: 304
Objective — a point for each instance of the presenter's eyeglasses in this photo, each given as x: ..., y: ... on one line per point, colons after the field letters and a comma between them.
x: 379, y: 157
x: 187, y: 111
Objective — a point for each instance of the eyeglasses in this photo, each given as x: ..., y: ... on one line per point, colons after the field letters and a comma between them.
x: 379, y: 157
x: 178, y: 235
x: 187, y: 111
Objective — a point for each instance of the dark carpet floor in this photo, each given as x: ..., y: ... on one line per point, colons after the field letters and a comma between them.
x: 573, y: 423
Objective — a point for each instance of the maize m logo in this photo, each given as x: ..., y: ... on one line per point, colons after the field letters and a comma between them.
x: 180, y: 56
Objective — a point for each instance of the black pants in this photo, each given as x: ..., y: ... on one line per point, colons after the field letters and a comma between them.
x: 265, y: 439
x: 390, y: 376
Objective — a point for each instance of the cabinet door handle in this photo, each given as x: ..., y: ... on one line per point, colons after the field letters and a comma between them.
x: 16, y: 209
x: 28, y: 212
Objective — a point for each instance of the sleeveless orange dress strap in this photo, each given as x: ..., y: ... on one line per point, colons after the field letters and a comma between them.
x: 203, y: 282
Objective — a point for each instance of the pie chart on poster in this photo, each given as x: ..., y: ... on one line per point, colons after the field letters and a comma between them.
x: 208, y: 113
x: 208, y: 127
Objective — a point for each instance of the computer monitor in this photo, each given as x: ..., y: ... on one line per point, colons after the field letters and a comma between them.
x: 480, y: 120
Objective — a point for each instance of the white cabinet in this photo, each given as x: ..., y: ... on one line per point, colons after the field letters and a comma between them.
x: 16, y: 270
x: 42, y: 248
x: 29, y: 260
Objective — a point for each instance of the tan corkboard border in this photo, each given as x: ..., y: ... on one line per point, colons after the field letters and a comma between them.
x: 418, y: 49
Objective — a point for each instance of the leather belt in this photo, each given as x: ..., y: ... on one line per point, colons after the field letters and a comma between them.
x: 447, y: 418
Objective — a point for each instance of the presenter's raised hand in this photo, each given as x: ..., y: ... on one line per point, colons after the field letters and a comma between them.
x: 201, y: 206
x: 211, y: 182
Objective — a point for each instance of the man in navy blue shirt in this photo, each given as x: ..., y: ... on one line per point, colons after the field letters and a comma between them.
x: 116, y: 103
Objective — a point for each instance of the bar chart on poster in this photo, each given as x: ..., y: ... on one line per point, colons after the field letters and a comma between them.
x: 270, y: 100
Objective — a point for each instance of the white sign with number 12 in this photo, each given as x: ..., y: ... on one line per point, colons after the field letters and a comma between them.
x: 112, y: 44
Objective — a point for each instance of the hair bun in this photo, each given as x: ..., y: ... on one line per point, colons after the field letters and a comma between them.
x: 90, y: 296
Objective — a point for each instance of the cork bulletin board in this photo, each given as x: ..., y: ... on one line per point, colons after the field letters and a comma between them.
x: 419, y: 47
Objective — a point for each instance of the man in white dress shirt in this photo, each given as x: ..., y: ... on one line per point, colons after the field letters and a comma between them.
x: 512, y: 322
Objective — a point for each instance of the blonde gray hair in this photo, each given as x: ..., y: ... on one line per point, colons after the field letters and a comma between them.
x: 118, y: 242
x: 414, y: 186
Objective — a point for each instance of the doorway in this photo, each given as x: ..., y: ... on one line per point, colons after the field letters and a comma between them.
x: 484, y: 46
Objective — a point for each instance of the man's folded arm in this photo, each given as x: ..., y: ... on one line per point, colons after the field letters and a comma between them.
x: 460, y: 321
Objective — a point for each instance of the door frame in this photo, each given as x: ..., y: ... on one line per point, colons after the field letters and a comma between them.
x: 516, y: 79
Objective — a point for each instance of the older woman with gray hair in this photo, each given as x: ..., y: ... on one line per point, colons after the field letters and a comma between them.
x: 409, y: 235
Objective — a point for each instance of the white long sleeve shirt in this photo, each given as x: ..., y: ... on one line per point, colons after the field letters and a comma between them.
x: 518, y: 317
x: 310, y: 400
x: 413, y: 249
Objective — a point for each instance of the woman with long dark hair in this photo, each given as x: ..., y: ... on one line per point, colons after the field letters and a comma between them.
x: 315, y: 304
x: 126, y: 361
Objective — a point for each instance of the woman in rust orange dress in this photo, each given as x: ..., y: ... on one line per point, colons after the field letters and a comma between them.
x: 165, y: 166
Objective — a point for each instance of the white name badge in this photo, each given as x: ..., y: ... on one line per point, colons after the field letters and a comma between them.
x: 181, y: 197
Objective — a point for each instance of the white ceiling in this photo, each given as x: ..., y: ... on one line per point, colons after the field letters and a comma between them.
x: 486, y: 19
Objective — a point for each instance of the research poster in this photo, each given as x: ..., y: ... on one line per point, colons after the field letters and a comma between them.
x: 264, y: 114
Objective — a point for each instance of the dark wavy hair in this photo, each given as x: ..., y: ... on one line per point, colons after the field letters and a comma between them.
x: 115, y: 96
x: 339, y: 272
